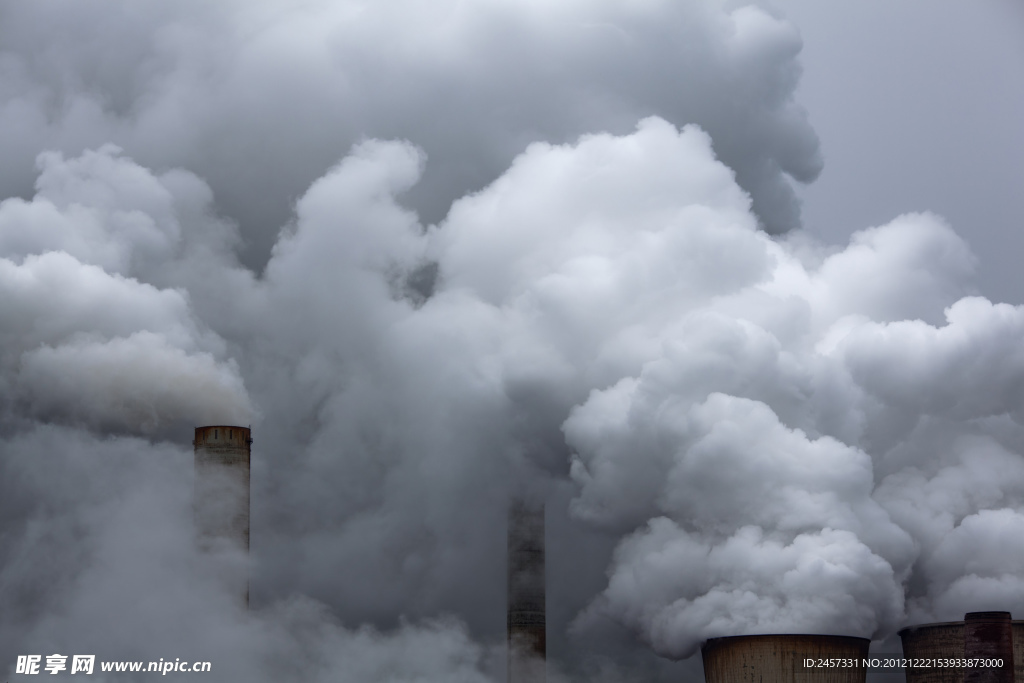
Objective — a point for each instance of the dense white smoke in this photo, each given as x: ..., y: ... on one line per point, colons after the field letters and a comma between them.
x: 736, y: 432
x: 260, y: 97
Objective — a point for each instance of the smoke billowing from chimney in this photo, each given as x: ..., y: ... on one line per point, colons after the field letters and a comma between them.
x: 432, y: 270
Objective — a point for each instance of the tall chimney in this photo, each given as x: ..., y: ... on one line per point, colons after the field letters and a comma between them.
x: 988, y: 635
x: 527, y: 637
x: 221, y: 503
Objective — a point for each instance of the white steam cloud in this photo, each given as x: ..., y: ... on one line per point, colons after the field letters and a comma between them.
x: 545, y: 261
x: 259, y: 98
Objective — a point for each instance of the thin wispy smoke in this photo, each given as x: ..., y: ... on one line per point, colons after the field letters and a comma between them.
x: 436, y: 255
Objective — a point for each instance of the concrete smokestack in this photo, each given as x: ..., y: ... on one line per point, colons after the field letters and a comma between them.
x: 989, y: 635
x: 780, y: 659
x: 527, y: 629
x: 981, y: 635
x: 222, y: 454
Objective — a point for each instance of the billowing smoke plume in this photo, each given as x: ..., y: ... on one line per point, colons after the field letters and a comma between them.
x: 259, y: 98
x: 540, y: 264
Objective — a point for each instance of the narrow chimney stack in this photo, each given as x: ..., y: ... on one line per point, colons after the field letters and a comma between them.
x: 527, y: 636
x: 221, y: 503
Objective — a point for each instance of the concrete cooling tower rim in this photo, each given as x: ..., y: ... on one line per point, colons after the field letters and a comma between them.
x: 813, y: 636
x: 941, y: 624
x: 932, y: 624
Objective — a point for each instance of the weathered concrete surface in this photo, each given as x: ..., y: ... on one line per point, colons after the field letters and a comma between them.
x: 780, y: 659
x: 989, y: 635
x: 943, y: 640
x: 1018, y: 650
x: 985, y: 635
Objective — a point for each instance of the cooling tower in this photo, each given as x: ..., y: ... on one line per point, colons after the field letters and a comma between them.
x: 982, y: 635
x: 781, y: 659
x: 222, y: 495
x: 527, y: 637
x: 1018, y: 650
x: 989, y: 635
x: 943, y: 640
